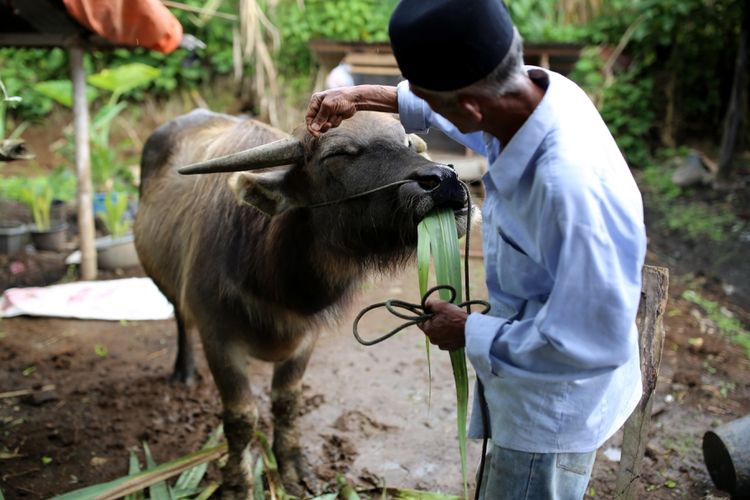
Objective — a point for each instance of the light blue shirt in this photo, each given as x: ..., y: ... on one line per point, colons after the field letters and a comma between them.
x: 564, y: 244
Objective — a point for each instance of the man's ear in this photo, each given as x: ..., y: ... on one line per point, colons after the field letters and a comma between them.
x: 471, y: 106
x: 263, y: 191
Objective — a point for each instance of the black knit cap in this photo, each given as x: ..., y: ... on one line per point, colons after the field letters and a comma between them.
x: 449, y: 44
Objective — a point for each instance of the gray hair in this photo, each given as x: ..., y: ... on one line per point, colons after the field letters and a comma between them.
x: 506, y: 78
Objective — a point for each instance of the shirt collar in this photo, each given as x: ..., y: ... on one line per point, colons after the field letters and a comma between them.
x: 508, y: 167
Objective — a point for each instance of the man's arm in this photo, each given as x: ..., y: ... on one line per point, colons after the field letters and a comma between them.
x: 329, y: 108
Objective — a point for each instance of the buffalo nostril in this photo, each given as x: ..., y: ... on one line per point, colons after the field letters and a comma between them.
x: 428, y: 182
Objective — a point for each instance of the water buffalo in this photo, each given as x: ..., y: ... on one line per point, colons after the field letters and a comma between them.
x: 261, y: 259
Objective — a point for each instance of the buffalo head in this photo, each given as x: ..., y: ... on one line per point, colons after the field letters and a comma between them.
x: 365, y: 183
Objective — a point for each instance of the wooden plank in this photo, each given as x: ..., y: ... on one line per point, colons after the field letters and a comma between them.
x: 651, y: 340
x: 83, y: 166
x: 375, y: 70
x: 324, y: 46
x: 554, y: 49
x: 370, y: 59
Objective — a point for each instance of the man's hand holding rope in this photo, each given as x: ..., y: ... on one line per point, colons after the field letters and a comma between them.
x: 445, y: 328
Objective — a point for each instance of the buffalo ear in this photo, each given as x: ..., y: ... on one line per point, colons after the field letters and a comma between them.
x: 263, y: 191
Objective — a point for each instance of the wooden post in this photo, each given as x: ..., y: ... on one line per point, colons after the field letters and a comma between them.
x: 83, y: 166
x: 651, y: 339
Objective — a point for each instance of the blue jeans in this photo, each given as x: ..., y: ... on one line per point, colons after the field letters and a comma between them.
x: 518, y: 475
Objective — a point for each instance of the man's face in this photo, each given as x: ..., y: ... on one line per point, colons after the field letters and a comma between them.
x: 452, y: 110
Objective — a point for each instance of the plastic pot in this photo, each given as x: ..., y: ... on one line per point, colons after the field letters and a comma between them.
x: 12, y: 237
x: 116, y: 253
x: 52, y: 239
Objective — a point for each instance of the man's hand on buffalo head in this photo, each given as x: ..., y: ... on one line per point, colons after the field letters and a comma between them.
x: 329, y: 108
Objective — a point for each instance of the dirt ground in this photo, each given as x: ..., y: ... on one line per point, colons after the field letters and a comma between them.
x: 98, y: 389
x: 366, y: 412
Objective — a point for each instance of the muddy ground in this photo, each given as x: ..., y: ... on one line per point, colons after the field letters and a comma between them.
x: 98, y: 389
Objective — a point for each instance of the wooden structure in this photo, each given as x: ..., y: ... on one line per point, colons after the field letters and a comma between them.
x: 374, y: 63
x: 651, y: 340
x: 377, y: 58
x: 45, y: 23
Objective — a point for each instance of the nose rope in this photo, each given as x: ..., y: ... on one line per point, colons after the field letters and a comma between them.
x: 371, y: 191
x: 420, y: 312
x: 360, y: 195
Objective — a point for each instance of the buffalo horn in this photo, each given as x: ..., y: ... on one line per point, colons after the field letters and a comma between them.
x: 274, y: 154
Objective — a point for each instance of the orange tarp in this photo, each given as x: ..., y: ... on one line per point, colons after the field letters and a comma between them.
x: 144, y: 23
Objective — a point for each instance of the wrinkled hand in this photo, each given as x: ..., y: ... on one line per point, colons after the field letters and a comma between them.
x: 329, y: 108
x: 446, y: 328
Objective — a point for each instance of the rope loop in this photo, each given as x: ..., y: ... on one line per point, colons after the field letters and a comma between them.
x: 419, y: 312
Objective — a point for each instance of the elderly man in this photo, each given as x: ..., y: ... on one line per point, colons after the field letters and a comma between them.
x: 563, y: 235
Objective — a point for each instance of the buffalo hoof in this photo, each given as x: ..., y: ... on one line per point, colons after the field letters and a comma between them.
x: 229, y: 492
x: 298, y: 477
x: 185, y: 378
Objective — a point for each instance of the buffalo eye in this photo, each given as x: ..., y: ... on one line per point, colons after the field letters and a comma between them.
x: 341, y: 152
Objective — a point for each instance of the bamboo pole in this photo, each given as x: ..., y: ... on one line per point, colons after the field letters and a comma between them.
x: 83, y: 166
x: 651, y: 339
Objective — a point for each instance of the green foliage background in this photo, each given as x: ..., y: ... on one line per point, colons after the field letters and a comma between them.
x: 679, y: 60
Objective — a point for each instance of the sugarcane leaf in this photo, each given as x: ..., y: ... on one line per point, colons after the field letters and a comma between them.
x: 258, y: 493
x: 423, y: 256
x: 192, y: 477
x: 441, y: 226
x: 179, y: 494
x: 268, y: 456
x: 346, y: 491
x: 160, y: 490
x: 133, y: 469
x: 129, y: 484
x: 402, y: 494
x: 210, y: 489
x: 423, y: 271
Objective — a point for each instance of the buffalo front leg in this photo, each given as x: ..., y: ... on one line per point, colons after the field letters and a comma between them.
x: 286, y: 395
x: 229, y: 368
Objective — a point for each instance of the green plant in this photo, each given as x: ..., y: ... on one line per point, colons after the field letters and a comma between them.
x: 106, y: 166
x: 624, y: 101
x: 697, y: 220
x: 726, y: 322
x: 113, y: 217
x: 552, y: 20
x: 342, y: 20
x: 39, y: 192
